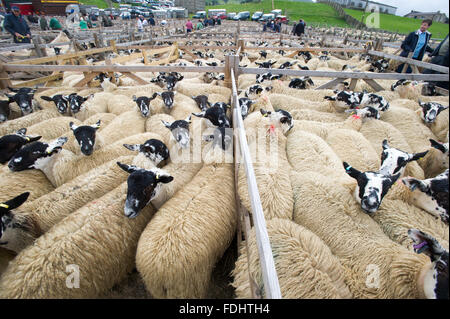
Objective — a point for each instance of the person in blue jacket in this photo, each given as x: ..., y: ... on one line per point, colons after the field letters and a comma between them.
x: 417, y: 42
x: 17, y: 26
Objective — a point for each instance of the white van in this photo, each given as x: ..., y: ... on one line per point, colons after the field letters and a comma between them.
x: 276, y: 12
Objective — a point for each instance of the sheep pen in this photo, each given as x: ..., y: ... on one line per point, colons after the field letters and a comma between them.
x: 190, y: 239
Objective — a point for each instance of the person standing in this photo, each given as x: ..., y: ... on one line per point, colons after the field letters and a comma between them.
x: 189, y: 26
x: 140, y: 26
x: 17, y: 26
x: 151, y: 20
x: 43, y: 21
x: 199, y: 25
x: 416, y: 42
x: 440, y: 57
x: 300, y: 28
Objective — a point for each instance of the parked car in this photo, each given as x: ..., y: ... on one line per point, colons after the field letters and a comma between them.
x: 267, y: 16
x: 284, y: 19
x: 199, y: 15
x: 276, y: 12
x: 244, y: 15
x: 231, y: 15
x: 221, y: 15
x: 257, y: 15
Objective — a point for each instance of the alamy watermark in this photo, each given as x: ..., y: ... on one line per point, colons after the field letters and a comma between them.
x: 73, y: 278
x: 372, y: 20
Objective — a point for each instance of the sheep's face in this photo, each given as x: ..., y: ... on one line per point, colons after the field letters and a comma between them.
x: 168, y: 98
x: 429, y: 89
x: 245, y: 104
x: 394, y: 161
x: 172, y: 79
x: 216, y: 116
x: 23, y: 98
x: 366, y: 112
x: 180, y: 131
x: 75, y: 101
x: 280, y: 118
x: 266, y: 65
x: 443, y: 147
x: 254, y: 89
x: 371, y: 188
x: 430, y: 111
x: 222, y: 137
x: 143, y: 103
x: 435, y: 278
x: 60, y: 101
x: 376, y: 101
x: 301, y: 83
x: 35, y: 155
x: 7, y: 225
x: 153, y: 149
x: 202, y: 102
x: 10, y: 144
x: 85, y: 136
x: 143, y: 186
x: 432, y: 195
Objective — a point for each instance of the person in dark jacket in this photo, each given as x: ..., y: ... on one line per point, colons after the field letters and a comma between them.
x: 416, y: 42
x: 440, y: 57
x: 17, y: 26
x: 300, y: 28
x: 151, y: 21
x: 43, y: 22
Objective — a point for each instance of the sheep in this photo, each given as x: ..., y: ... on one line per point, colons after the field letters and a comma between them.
x: 436, y: 161
x: 26, y: 121
x: 68, y: 247
x: 411, y: 90
x: 61, y: 166
x: 24, y: 98
x: 429, y: 112
x: 53, y: 127
x: 10, y: 144
x: 357, y: 241
x: 291, y: 103
x: 4, y: 110
x: 267, y: 143
x: 431, y: 195
x: 36, y: 217
x: 305, y: 266
x: 201, y: 213
x: 206, y: 89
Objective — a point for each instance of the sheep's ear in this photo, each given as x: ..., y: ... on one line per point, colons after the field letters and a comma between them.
x: 264, y: 112
x: 437, y: 145
x: 96, y: 125
x: 154, y: 96
x: 73, y: 127
x: 128, y: 168
x: 417, y: 156
x: 442, y: 108
x: 353, y: 172
x: 88, y: 97
x: 162, y: 177
x: 414, y: 183
x: 385, y: 144
x: 44, y: 97
x: 134, y: 98
x: 22, y: 131
x: 421, y: 103
x: 188, y: 119
x: 424, y: 243
x: 166, y: 124
x: 15, y: 202
x: 200, y: 114
x: 132, y: 147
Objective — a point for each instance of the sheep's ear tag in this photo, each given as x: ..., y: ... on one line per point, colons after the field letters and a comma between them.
x: 421, y: 247
x: 27, y: 138
x: 157, y: 176
x: 356, y: 117
x: 4, y: 206
x: 272, y: 129
x: 348, y: 168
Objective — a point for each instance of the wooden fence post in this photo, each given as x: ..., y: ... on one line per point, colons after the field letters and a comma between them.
x: 405, y: 66
x: 5, y: 82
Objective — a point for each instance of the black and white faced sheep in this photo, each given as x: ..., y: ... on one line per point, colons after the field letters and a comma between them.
x: 85, y: 136
x: 202, y: 102
x: 4, y: 110
x: 430, y: 111
x: 60, y: 101
x: 153, y: 149
x: 168, y: 98
x: 263, y: 54
x: 24, y: 99
x: 215, y: 116
x: 266, y: 65
x: 287, y: 65
x: 371, y: 187
x: 394, y: 161
x: 353, y: 99
x: 75, y: 101
x: 365, y: 113
x: 143, y: 102
x: 256, y: 89
x: 302, y: 83
x: 180, y: 131
x: 431, y: 195
x: 379, y: 66
x: 10, y: 144
x: 143, y: 186
x: 436, y: 278
x: 171, y: 79
x: 267, y: 76
x: 5, y: 209
x: 281, y: 116
x: 244, y: 104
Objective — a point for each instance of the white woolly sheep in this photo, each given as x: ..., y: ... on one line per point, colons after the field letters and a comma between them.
x: 436, y: 161
x: 305, y: 266
x: 356, y: 240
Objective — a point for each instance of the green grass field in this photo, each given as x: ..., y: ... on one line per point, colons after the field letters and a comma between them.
x: 312, y: 13
x: 101, y: 4
x: 404, y: 25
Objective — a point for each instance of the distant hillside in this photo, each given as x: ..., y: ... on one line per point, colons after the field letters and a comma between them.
x: 312, y: 13
x: 404, y: 25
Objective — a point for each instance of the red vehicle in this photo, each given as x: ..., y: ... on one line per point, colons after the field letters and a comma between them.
x: 221, y: 16
x: 26, y: 8
x: 284, y: 19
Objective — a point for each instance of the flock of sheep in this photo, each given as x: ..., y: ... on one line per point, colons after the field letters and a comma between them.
x: 119, y: 177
